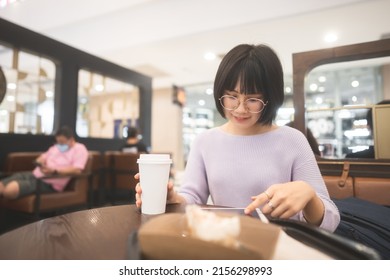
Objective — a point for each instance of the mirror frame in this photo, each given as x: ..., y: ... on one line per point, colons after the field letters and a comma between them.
x: 304, y: 62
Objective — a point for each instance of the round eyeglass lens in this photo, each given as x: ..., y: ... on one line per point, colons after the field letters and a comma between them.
x: 253, y: 105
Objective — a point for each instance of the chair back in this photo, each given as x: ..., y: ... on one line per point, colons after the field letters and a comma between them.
x: 20, y: 161
x: 76, y: 194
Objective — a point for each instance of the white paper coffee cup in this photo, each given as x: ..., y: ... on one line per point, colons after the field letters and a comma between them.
x: 154, y: 175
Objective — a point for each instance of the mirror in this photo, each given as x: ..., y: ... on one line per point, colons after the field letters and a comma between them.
x: 339, y: 97
x: 334, y: 92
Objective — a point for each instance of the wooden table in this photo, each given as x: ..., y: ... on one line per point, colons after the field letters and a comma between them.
x: 103, y: 234
x: 100, y: 233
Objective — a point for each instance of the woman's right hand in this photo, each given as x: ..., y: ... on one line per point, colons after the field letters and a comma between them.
x: 138, y: 192
x: 172, y: 196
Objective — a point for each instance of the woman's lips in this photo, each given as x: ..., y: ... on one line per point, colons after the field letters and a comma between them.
x: 240, y: 119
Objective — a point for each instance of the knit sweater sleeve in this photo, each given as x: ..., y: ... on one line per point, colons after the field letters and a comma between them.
x: 195, y: 188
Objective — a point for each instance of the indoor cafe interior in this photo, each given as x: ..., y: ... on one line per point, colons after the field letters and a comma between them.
x: 91, y: 71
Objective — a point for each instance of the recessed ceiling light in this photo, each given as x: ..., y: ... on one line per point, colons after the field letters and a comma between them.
x: 322, y: 79
x: 11, y: 86
x: 209, y: 56
x: 355, y: 83
x: 313, y: 87
x: 10, y: 98
x: 330, y: 37
x: 49, y: 93
x: 99, y: 87
x: 319, y: 100
x: 209, y: 91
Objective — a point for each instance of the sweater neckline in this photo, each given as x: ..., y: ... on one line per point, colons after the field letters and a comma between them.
x: 221, y: 130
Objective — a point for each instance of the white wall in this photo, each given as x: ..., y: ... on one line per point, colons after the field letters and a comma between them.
x: 167, y: 126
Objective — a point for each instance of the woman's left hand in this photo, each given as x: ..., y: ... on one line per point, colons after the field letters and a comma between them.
x: 283, y: 200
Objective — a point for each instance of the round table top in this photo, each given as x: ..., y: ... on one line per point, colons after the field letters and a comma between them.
x: 99, y: 233
x: 107, y: 233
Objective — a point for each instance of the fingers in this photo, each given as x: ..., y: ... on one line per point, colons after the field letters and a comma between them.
x: 138, y: 192
x: 171, y: 196
x: 271, y: 205
x: 277, y: 205
x: 257, y: 202
x: 282, y: 200
x: 170, y: 185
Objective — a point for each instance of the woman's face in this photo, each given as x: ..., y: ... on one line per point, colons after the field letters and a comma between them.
x: 241, y: 119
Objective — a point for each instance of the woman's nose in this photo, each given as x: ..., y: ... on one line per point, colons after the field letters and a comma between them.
x: 241, y: 107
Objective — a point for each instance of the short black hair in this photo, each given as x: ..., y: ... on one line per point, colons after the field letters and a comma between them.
x: 259, y: 70
x: 65, y: 131
x: 132, y: 132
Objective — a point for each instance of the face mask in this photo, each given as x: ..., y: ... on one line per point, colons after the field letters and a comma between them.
x: 63, y: 147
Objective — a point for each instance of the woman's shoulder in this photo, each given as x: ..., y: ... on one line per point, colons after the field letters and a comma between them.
x: 293, y: 132
x: 297, y: 140
x: 290, y: 135
x: 207, y: 136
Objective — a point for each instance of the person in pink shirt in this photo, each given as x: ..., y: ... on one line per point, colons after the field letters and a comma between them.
x: 66, y: 157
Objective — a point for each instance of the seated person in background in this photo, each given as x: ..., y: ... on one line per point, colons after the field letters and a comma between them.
x: 133, y: 144
x: 66, y: 157
x: 370, y: 152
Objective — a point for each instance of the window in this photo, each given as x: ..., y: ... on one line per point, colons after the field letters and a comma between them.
x: 28, y: 104
x: 105, y: 106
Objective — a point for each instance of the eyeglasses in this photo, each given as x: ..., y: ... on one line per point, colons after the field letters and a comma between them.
x: 253, y: 105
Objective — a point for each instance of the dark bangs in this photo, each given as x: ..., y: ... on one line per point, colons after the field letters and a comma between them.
x: 249, y: 71
x: 251, y: 77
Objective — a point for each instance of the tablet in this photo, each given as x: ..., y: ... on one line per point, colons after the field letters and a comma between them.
x: 240, y: 211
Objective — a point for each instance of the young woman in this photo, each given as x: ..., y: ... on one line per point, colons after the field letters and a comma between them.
x: 250, y: 162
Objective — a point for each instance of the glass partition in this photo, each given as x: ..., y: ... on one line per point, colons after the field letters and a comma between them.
x: 28, y: 104
x: 106, y: 106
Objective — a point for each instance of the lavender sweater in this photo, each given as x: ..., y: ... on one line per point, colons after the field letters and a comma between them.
x: 232, y: 168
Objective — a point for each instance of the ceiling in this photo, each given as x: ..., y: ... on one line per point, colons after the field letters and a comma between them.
x: 168, y: 39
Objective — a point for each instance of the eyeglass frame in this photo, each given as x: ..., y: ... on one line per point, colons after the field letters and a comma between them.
x: 239, y: 103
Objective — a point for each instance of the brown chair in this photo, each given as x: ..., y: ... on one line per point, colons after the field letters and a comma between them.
x: 121, y: 168
x: 97, y: 178
x: 19, y: 162
x: 76, y: 194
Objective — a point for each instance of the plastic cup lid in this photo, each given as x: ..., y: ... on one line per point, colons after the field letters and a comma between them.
x: 154, y: 158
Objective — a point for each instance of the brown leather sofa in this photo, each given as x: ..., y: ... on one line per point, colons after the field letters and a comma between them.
x: 120, y: 169
x: 76, y: 193
x: 19, y: 162
x: 364, y: 180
